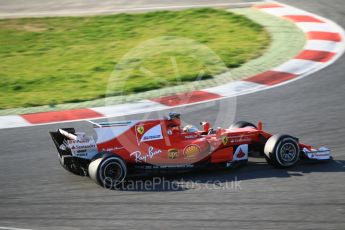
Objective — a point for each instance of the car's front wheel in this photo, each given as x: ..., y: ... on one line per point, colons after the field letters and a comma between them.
x: 282, y: 151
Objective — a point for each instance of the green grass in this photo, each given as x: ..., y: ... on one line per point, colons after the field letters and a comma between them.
x: 50, y: 61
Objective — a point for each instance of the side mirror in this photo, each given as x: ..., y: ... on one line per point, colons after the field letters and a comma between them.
x: 205, y: 126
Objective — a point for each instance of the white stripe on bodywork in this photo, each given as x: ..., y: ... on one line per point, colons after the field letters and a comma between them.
x: 12, y: 121
x: 321, y: 45
x: 155, y: 133
x: 234, y: 88
x: 129, y: 108
x: 298, y: 66
x: 105, y: 134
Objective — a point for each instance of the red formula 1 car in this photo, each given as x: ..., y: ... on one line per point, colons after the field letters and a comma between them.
x: 132, y: 147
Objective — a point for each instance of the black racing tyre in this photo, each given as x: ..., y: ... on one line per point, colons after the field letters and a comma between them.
x: 270, y: 162
x: 242, y: 124
x: 282, y: 151
x: 108, y: 171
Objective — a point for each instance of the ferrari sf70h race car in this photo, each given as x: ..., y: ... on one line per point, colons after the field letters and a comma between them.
x: 137, y: 147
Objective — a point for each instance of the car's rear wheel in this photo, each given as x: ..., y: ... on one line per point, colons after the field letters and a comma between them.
x: 108, y: 171
x: 242, y: 124
x: 282, y: 151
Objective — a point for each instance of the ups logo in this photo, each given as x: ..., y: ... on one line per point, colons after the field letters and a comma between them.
x: 172, y: 153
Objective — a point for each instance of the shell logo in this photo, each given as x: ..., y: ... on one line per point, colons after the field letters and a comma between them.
x: 191, y: 151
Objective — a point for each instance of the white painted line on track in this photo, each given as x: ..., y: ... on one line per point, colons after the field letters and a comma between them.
x: 297, y: 66
x: 12, y: 228
x: 316, y: 26
x: 8, y: 121
x: 285, y: 11
x: 137, y: 107
x: 322, y: 45
x: 234, y: 88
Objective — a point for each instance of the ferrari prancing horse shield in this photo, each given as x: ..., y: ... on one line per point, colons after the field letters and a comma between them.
x: 140, y: 129
x: 224, y: 140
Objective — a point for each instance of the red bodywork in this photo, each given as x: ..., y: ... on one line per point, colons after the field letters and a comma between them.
x: 163, y: 142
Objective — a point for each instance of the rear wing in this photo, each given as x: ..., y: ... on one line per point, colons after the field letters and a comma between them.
x: 76, y: 144
x: 60, y: 138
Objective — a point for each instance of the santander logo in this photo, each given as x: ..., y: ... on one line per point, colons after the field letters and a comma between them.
x: 241, y: 152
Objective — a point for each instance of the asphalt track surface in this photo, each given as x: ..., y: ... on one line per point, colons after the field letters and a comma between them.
x: 28, y: 8
x: 36, y: 193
